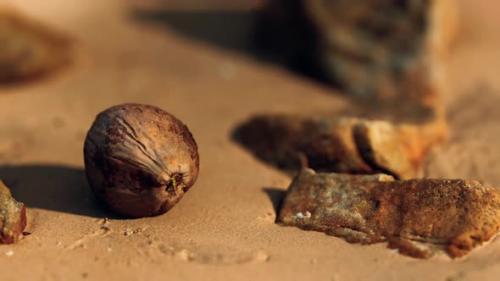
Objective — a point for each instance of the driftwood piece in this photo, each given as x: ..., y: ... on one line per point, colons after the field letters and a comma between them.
x: 346, y: 145
x: 12, y: 217
x: 418, y: 217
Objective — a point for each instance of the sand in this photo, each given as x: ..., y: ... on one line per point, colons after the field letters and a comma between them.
x: 223, y: 229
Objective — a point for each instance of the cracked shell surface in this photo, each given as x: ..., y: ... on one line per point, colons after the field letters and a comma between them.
x: 139, y: 159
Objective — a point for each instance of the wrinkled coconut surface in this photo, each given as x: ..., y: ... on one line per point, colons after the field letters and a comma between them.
x: 417, y: 217
x: 139, y: 159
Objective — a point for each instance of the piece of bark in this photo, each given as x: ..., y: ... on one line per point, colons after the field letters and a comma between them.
x: 346, y: 145
x: 28, y: 49
x: 287, y: 141
x: 378, y: 49
x: 418, y: 217
x: 12, y: 217
x: 398, y: 149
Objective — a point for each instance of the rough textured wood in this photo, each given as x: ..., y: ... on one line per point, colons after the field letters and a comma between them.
x: 12, y: 217
x: 414, y: 216
x: 380, y: 49
x: 348, y: 145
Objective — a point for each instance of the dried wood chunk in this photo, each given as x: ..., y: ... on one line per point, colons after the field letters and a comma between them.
x: 418, y: 217
x: 287, y: 140
x: 384, y: 48
x: 12, y: 217
x: 380, y: 49
x: 28, y: 49
x: 347, y: 145
x: 398, y: 149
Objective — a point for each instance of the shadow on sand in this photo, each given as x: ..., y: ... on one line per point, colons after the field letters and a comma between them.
x: 269, y: 34
x: 53, y: 187
x: 276, y: 195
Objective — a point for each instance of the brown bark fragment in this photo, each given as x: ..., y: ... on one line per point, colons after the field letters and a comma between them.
x: 285, y: 141
x: 414, y: 216
x: 28, y: 49
x: 388, y: 53
x: 12, y: 217
x: 378, y: 49
x: 384, y: 48
x: 346, y: 145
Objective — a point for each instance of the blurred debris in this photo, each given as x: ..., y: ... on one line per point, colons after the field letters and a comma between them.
x: 417, y: 217
x: 371, y: 49
x: 28, y: 49
x: 342, y: 144
x: 388, y: 55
